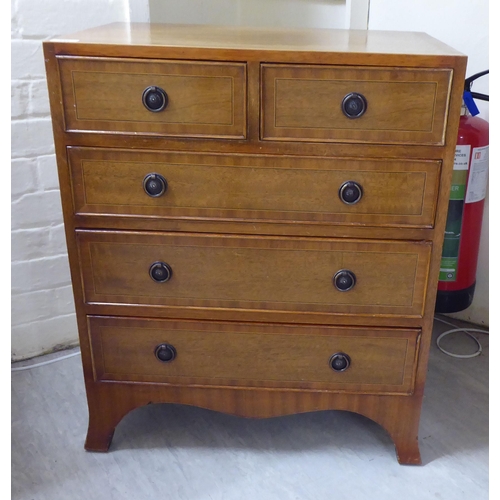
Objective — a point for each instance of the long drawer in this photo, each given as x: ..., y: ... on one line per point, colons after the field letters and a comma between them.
x: 384, y: 192
x: 254, y: 273
x: 154, y: 97
x: 352, y: 104
x: 374, y: 360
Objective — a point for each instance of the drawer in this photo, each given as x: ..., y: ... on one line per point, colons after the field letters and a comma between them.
x: 250, y: 187
x: 254, y: 273
x: 401, y: 105
x: 106, y: 95
x: 253, y: 355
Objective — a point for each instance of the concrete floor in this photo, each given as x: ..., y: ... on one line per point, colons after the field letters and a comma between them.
x: 177, y: 452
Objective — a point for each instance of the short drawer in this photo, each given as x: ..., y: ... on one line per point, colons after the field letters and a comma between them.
x: 205, y: 99
x: 180, y: 352
x: 250, y: 187
x: 186, y: 270
x: 351, y: 104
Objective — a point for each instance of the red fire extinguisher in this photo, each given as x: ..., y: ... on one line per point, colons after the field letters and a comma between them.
x: 457, y: 277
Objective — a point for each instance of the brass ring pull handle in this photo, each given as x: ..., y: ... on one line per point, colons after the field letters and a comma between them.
x: 154, y: 185
x: 155, y: 99
x: 160, y: 272
x: 344, y: 280
x: 354, y: 105
x: 165, y: 353
x: 340, y: 362
x: 350, y: 192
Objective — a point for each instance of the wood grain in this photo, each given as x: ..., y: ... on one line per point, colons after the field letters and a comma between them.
x: 266, y: 273
x: 250, y: 227
x: 302, y: 44
x: 226, y: 354
x: 395, y: 192
x: 204, y: 99
x: 403, y: 106
x: 398, y: 415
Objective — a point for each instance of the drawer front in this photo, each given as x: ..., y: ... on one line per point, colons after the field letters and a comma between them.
x: 253, y: 355
x: 254, y: 273
x: 402, y: 106
x: 106, y: 95
x: 392, y: 192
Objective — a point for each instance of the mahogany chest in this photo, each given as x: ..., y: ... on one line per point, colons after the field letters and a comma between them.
x: 254, y: 217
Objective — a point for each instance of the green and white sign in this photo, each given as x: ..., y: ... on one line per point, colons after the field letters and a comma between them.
x: 451, y: 246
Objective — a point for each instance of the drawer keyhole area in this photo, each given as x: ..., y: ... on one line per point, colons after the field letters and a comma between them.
x: 344, y: 280
x: 160, y: 272
x: 354, y: 105
x: 155, y: 99
x: 340, y: 362
x: 350, y: 192
x: 154, y: 185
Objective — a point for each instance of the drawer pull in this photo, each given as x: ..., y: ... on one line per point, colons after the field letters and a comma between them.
x: 154, y: 185
x: 354, y: 105
x: 155, y: 99
x: 165, y: 353
x: 160, y: 272
x: 340, y: 362
x: 344, y: 280
x: 350, y: 192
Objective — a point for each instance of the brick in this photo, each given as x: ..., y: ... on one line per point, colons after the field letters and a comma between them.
x: 23, y: 177
x: 27, y: 59
x: 39, y: 274
x: 19, y: 99
x: 47, y: 172
x: 33, y: 339
x: 57, y: 240
x: 37, y: 210
x: 53, y: 17
x: 42, y: 304
x: 31, y: 137
x: 28, y: 244
x: 39, y: 98
x: 14, y: 26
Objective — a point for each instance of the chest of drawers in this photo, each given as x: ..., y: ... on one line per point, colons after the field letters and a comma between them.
x: 254, y: 218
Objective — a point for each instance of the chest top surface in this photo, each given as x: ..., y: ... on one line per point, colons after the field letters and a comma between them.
x: 262, y: 39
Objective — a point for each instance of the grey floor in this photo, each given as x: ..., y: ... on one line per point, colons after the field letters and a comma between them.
x: 177, y: 452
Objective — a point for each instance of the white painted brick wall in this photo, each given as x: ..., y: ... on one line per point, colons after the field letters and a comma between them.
x: 43, y: 317
x: 28, y: 244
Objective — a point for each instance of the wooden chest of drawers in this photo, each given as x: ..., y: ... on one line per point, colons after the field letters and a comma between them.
x: 254, y: 218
